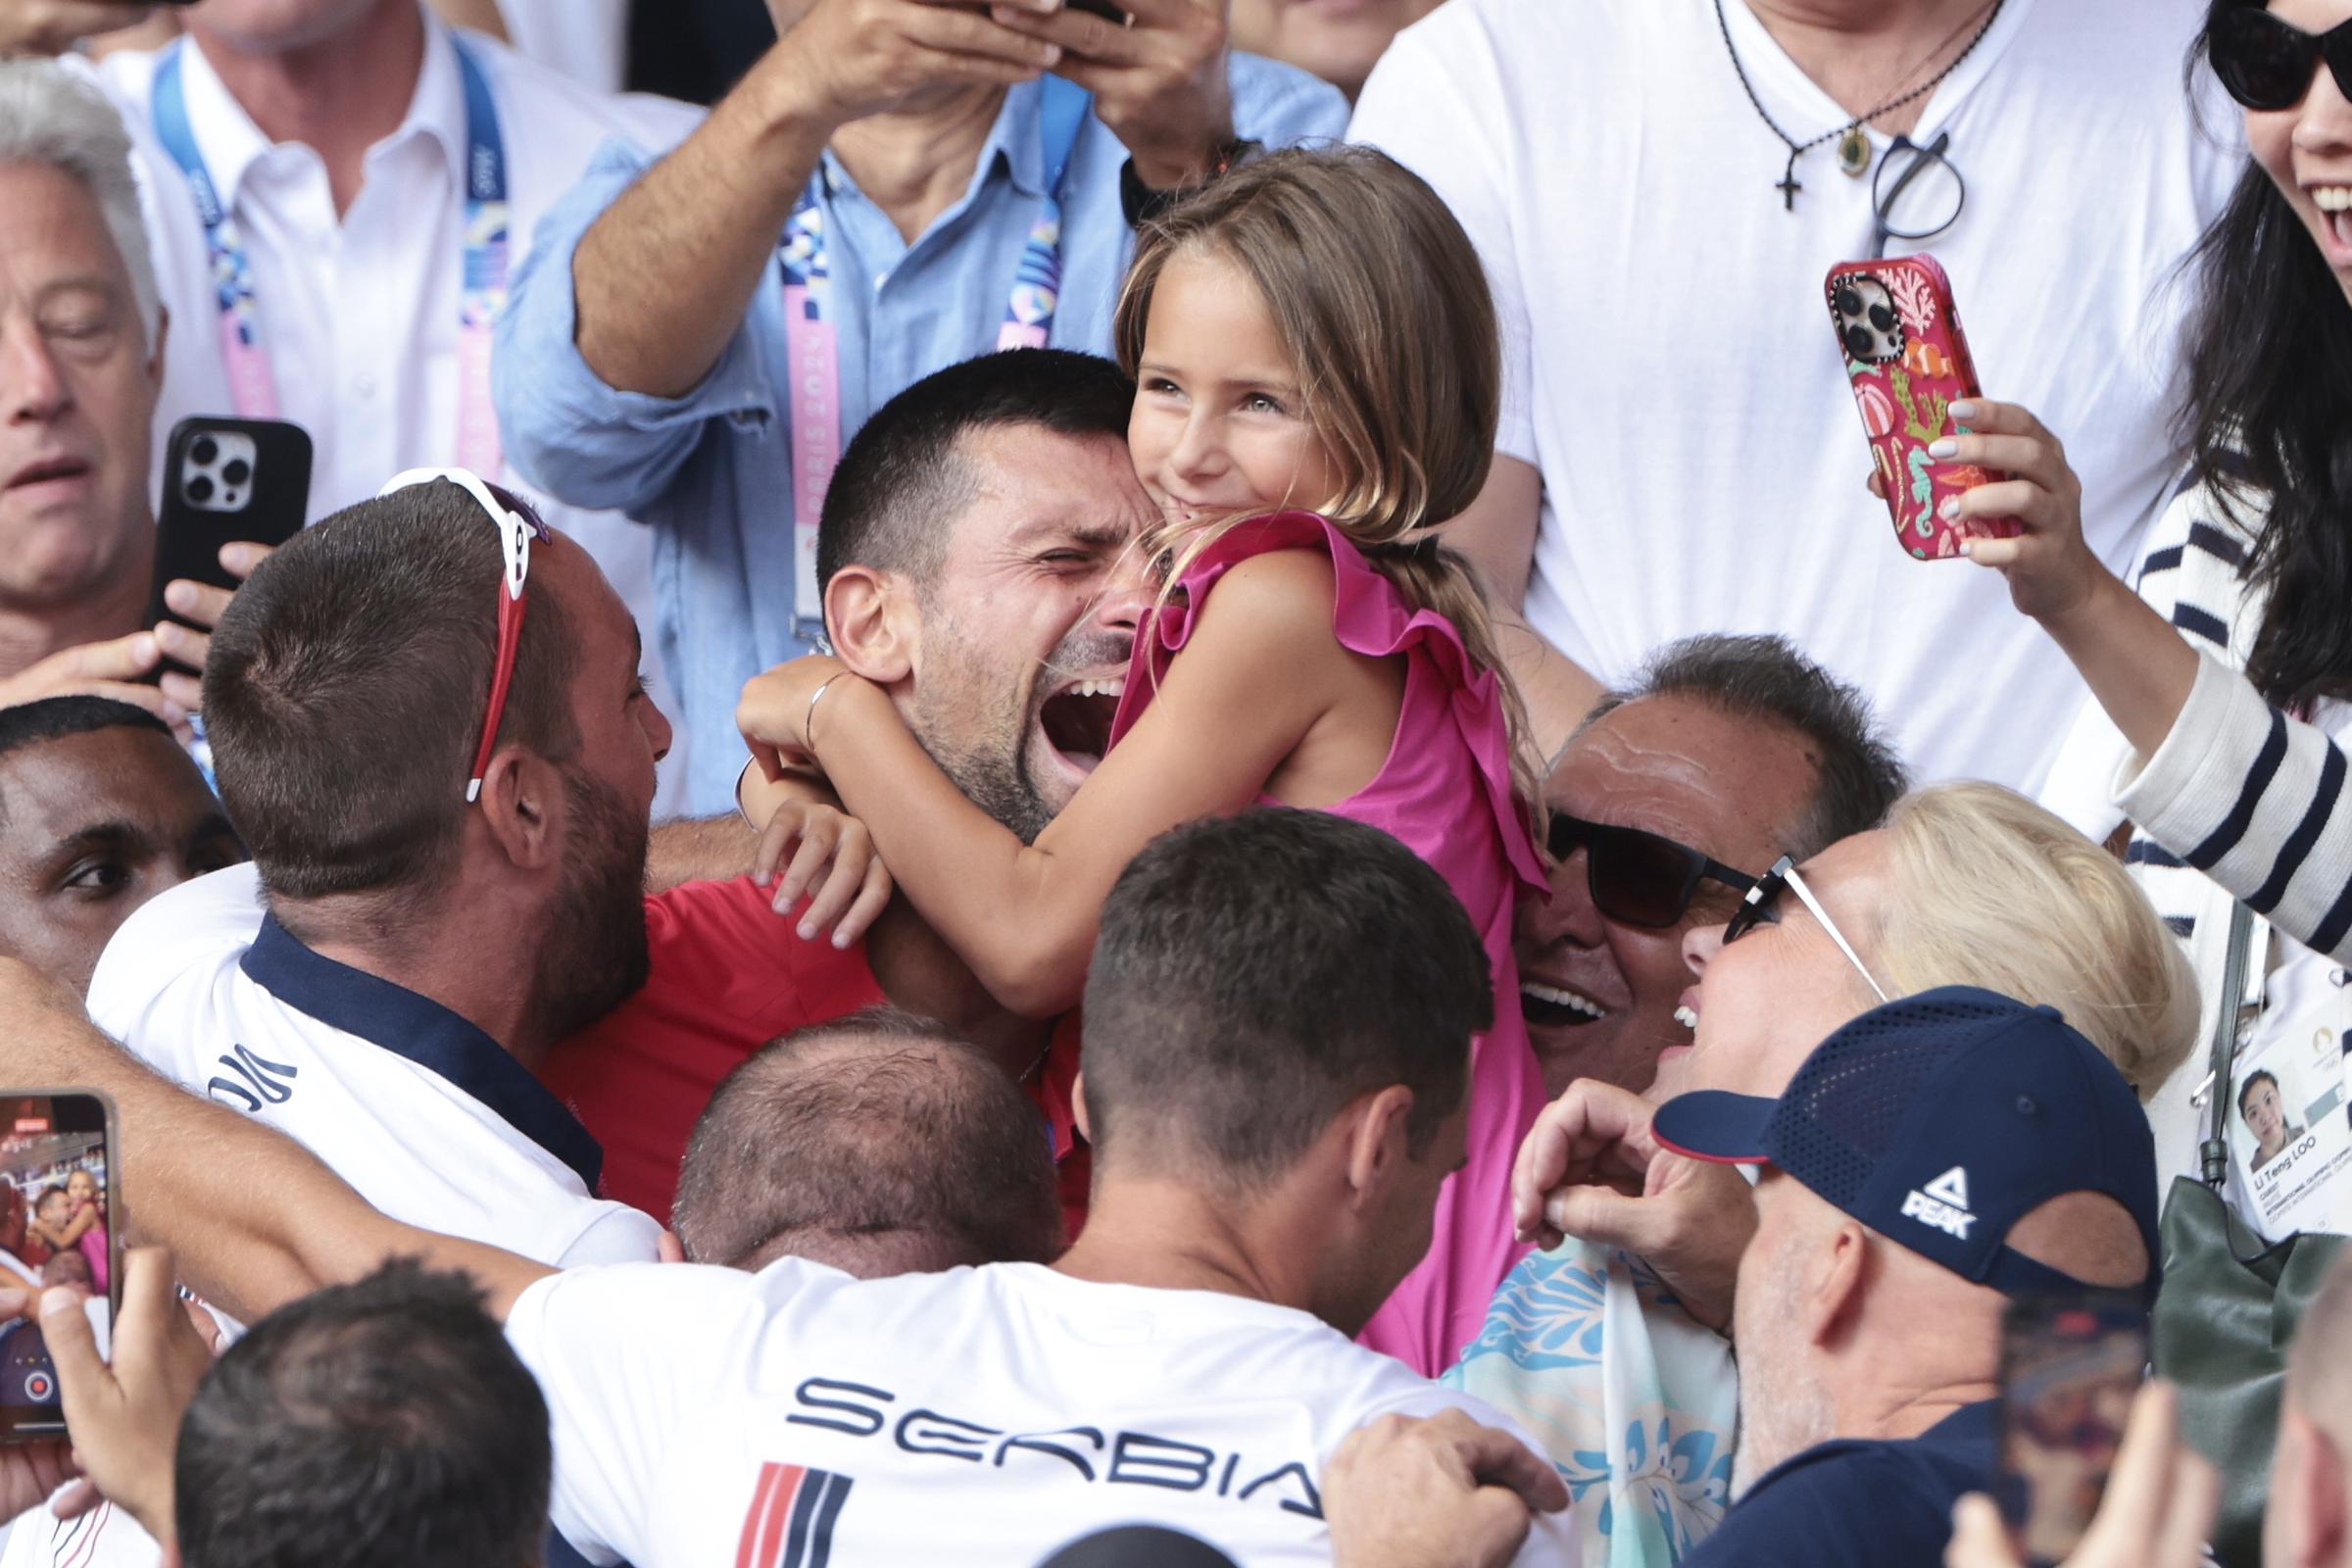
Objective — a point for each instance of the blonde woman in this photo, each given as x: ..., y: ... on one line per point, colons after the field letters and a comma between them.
x: 1609, y: 1344
x: 1317, y: 392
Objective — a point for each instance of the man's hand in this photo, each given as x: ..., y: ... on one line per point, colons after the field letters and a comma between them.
x: 1590, y: 1168
x: 99, y: 669
x: 204, y: 604
x: 1445, y: 1493
x: 123, y: 1418
x: 2159, y: 1508
x: 53, y: 26
x: 846, y: 60
x: 1158, y: 82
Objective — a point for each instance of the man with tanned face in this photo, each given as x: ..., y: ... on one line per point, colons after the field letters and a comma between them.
x: 100, y: 810
x: 1724, y: 753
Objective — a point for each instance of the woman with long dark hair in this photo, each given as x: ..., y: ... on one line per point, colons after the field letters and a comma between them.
x: 2228, y: 673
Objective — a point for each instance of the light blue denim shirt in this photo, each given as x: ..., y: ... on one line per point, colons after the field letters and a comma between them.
x: 712, y: 471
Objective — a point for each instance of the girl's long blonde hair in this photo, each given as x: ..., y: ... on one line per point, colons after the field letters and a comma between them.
x: 1381, y: 303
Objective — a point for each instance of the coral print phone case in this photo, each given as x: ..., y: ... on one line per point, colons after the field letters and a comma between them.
x: 1908, y: 362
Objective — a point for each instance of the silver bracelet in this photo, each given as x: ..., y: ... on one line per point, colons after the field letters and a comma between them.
x: 741, y: 810
x: 809, y: 723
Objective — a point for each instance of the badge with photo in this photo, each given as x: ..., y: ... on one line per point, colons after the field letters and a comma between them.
x: 2291, y: 1133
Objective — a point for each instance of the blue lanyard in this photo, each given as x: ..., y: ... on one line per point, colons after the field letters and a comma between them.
x: 812, y: 344
x: 483, y: 292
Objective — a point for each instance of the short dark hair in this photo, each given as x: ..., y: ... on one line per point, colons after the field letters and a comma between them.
x: 1256, y: 973
x: 879, y: 1143
x: 376, y: 1425
x: 904, y: 473
x: 1858, y: 775
x: 2257, y: 1076
x: 349, y: 682
x: 55, y: 718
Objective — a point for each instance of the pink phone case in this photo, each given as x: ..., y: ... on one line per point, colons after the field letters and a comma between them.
x: 1908, y: 362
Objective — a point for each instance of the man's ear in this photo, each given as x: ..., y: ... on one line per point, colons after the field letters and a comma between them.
x: 521, y: 804
x: 1834, y: 1279
x: 1375, y: 1142
x: 1078, y: 1105
x: 872, y: 620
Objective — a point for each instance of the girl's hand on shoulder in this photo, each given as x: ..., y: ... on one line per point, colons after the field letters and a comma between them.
x: 2051, y: 570
x: 774, y: 713
x: 835, y: 865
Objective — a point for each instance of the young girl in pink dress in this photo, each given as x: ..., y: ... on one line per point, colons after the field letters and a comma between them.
x: 1317, y: 387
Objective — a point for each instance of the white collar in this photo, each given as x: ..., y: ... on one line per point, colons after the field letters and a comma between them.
x: 231, y: 143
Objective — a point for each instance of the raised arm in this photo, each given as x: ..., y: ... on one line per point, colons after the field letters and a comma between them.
x: 254, y: 1219
x: 1498, y: 534
x: 1024, y: 917
x: 663, y: 278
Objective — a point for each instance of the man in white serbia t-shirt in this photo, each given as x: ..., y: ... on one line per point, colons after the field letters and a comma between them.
x: 1278, y: 1027
x: 1678, y: 450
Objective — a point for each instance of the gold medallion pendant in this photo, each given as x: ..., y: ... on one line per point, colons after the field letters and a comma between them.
x: 1853, y: 151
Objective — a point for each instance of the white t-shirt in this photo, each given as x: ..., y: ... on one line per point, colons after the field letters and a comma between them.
x: 1669, y: 361
x: 982, y: 1416
x: 358, y: 314
x: 419, y: 1110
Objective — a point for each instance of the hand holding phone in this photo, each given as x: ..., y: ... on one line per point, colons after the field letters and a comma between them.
x: 60, y: 1224
x: 229, y: 485
x: 1908, y: 362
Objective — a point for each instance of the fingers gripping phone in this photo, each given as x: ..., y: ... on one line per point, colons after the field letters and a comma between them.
x: 227, y: 482
x: 61, y: 1223
x: 2071, y: 1366
x: 1908, y: 362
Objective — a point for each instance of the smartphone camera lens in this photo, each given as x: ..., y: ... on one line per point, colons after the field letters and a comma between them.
x: 200, y: 489
x: 1849, y: 302
x: 1860, y: 342
x: 237, y: 472
x: 204, y: 452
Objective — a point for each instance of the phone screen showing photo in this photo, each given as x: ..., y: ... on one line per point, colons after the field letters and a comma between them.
x: 57, y: 1227
x: 2071, y: 1369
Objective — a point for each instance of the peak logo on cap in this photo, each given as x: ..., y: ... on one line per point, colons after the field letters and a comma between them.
x: 1944, y: 1205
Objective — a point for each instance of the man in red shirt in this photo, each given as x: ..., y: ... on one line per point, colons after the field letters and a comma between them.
x: 979, y: 537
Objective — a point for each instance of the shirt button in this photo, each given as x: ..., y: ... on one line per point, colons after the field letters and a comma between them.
x: 880, y: 279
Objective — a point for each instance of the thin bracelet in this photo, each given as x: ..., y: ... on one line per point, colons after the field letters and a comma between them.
x: 809, y: 723
x: 741, y: 810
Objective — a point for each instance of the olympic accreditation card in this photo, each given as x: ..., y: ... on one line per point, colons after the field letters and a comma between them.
x: 2290, y: 1131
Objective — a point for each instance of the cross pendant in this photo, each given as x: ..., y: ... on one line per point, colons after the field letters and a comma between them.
x: 1788, y: 187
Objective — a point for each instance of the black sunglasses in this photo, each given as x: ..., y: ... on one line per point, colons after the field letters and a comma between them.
x: 2267, y: 63
x: 1638, y: 878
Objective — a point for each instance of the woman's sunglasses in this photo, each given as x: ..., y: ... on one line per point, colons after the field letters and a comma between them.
x: 1757, y: 908
x: 2267, y: 63
x: 1638, y: 878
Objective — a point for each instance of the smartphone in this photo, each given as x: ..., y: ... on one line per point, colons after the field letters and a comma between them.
x: 2071, y: 1366
x: 227, y: 480
x: 1100, y: 8
x: 1908, y: 362
x: 61, y: 1223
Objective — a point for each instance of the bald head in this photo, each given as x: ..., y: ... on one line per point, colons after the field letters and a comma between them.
x: 878, y: 1145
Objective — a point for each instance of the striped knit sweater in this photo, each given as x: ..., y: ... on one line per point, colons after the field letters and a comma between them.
x: 2240, y: 794
x: 2241, y: 800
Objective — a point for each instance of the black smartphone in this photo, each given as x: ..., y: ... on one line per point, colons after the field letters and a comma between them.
x: 1100, y: 8
x: 2071, y: 1366
x: 225, y: 481
x: 61, y: 1223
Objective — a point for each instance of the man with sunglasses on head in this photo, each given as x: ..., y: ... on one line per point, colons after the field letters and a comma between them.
x: 1660, y: 187
x: 1667, y: 801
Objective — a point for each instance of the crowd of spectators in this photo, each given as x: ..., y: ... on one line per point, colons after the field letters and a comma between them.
x: 1143, y: 782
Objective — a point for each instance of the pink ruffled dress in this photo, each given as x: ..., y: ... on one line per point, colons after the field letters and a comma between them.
x: 1446, y: 792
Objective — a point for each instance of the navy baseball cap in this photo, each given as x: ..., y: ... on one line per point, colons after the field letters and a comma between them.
x: 1939, y: 1120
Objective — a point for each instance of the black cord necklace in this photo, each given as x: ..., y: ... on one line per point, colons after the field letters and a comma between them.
x: 1853, y: 146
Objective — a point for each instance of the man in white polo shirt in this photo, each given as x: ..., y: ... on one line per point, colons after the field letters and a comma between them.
x: 1278, y: 1027
x: 338, y: 193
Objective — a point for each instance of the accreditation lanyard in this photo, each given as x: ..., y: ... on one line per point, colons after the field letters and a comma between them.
x: 812, y: 343
x: 252, y: 386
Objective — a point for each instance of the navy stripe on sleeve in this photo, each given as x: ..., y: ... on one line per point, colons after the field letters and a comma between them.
x: 2297, y: 847
x: 2147, y: 851
x: 2203, y: 622
x: 2165, y: 559
x: 2216, y: 544
x: 2233, y: 827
